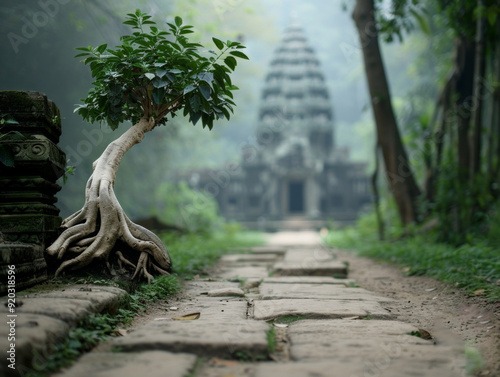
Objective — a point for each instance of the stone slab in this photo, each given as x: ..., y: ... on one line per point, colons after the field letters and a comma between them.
x: 268, y: 250
x: 34, y: 336
x: 318, y: 309
x: 294, y: 238
x: 216, y: 367
x: 434, y: 365
x: 243, y: 272
x: 210, y: 309
x: 310, y: 267
x: 70, y: 311
x: 317, y: 254
x: 103, y: 298
x: 226, y: 292
x: 270, y: 291
x: 201, y: 287
x: 151, y: 364
x: 221, y: 338
x: 354, y: 339
x: 307, y: 280
x: 248, y: 258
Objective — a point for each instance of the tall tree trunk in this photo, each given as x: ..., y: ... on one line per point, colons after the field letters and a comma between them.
x: 464, y: 70
x: 477, y: 112
x: 399, y: 173
x: 376, y: 196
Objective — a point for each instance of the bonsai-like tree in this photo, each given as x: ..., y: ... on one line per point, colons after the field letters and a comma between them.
x: 146, y: 79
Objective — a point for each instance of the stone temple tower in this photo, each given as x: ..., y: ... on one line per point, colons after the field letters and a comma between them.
x: 294, y: 172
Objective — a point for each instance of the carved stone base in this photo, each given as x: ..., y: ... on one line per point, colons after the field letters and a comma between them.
x: 29, y: 262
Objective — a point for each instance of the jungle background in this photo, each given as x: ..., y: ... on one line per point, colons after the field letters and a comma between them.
x: 442, y: 62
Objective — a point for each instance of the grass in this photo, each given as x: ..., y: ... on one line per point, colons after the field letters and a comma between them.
x: 289, y: 319
x: 191, y: 254
x: 271, y: 340
x: 473, y: 267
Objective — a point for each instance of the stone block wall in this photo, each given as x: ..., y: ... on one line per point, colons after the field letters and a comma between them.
x: 29, y: 219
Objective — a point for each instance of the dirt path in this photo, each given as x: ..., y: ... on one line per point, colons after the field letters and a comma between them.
x: 446, y: 312
x: 293, y: 309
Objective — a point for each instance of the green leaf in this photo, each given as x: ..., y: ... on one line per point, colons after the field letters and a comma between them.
x: 101, y: 48
x: 159, y: 83
x: 160, y: 72
x: 421, y: 21
x: 205, y: 91
x: 158, y: 95
x: 492, y: 18
x: 239, y: 54
x: 178, y: 21
x: 230, y: 62
x: 6, y: 156
x: 189, y: 89
x: 218, y: 43
x: 150, y: 76
x: 195, y: 102
x: 195, y: 117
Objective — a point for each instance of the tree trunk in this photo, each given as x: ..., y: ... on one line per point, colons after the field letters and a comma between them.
x: 477, y: 113
x: 92, y: 232
x: 399, y: 173
x: 464, y: 69
x: 376, y: 196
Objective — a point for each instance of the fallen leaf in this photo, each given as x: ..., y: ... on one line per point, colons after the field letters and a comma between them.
x: 121, y: 332
x: 424, y: 334
x: 188, y: 317
x: 478, y: 292
x: 430, y: 289
x: 173, y: 308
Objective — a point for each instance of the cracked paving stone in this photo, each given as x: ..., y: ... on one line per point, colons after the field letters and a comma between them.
x: 310, y: 268
x: 271, y: 291
x: 35, y: 335
x: 203, y: 338
x: 152, y: 364
x: 318, y: 309
x: 307, y: 280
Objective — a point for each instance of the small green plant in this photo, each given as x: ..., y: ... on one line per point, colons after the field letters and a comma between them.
x: 473, y: 360
x: 83, y: 338
x: 352, y: 284
x: 271, y: 340
x: 415, y: 333
x: 289, y: 319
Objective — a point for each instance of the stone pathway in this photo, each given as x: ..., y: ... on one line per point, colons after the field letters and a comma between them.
x: 285, y: 309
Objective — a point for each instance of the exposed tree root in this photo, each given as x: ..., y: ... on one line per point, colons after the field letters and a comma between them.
x: 93, y: 232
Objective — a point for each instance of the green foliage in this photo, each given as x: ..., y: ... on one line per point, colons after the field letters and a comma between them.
x: 289, y: 319
x: 89, y: 332
x: 271, y: 340
x: 156, y: 72
x: 193, y: 253
x: 396, y: 17
x: 461, y: 207
x: 472, y: 266
x: 189, y: 209
x: 473, y: 360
